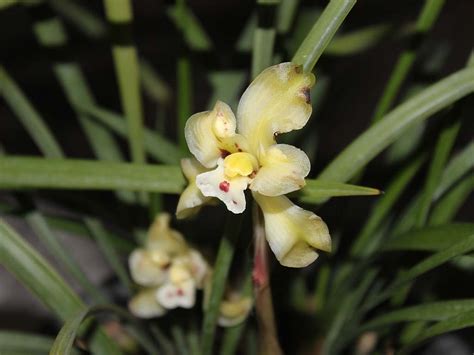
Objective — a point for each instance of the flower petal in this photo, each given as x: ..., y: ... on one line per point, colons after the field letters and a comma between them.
x: 145, y: 305
x: 277, y: 101
x: 229, y: 190
x: 234, y: 310
x: 181, y: 295
x: 144, y: 270
x: 191, y: 199
x: 164, y: 239
x: 206, y: 131
x: 283, y: 169
x: 199, y: 267
x: 292, y: 232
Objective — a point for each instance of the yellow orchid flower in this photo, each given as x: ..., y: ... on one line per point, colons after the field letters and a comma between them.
x: 168, y: 270
x: 240, y: 153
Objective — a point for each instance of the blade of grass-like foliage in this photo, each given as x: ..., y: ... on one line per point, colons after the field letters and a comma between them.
x: 460, y: 164
x: 7, y: 3
x: 44, y: 282
x: 179, y: 340
x: 18, y: 343
x: 434, y: 311
x: 28, y: 116
x: 158, y: 146
x: 461, y: 321
x: 286, y: 15
x: 51, y: 33
x: 244, y: 43
x: 462, y: 247
x: 87, y: 174
x: 443, y: 147
x: 71, y: 226
x: 358, y: 40
x: 315, y: 190
x: 322, y: 32
x: 432, y: 238
x: 119, y: 13
x: 446, y: 208
x: 226, y: 86
x: 184, y: 99
x: 105, y: 244
x: 264, y: 36
x: 344, y: 313
x: 63, y: 344
x: 426, y: 19
x: 153, y: 85
x: 87, y: 22
x: 405, y: 116
x: 93, y: 27
x: 41, y: 228
x: 219, y: 278
x: 363, y: 242
x: 194, y: 34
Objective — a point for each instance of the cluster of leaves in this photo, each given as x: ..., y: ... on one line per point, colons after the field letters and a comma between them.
x: 354, y: 293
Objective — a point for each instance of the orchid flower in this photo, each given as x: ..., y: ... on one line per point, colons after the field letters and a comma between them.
x: 168, y: 270
x: 236, y: 154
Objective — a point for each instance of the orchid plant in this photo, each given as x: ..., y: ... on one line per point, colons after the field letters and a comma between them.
x: 142, y: 267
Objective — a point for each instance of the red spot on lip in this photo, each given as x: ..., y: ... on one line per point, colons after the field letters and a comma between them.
x: 224, y: 153
x: 238, y: 148
x: 224, y: 186
x: 180, y: 292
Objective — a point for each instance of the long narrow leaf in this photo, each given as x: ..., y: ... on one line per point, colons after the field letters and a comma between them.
x: 29, y: 116
x: 41, y: 279
x: 315, y: 190
x: 370, y: 143
x: 322, y: 32
x: 87, y: 174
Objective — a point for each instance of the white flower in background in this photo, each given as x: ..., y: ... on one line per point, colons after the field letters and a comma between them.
x: 241, y: 153
x: 167, y: 269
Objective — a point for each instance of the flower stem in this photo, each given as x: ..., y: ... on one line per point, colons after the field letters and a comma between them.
x: 263, y: 294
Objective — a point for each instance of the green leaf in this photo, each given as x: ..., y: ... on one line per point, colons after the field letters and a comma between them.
x: 31, y: 269
x: 40, y: 226
x: 357, y: 40
x: 28, y: 116
x: 105, y: 244
x: 194, y: 33
x: 128, y: 77
x: 443, y: 147
x: 63, y: 344
x: 434, y: 311
x: 322, y: 32
x: 432, y: 238
x: 158, y: 146
x: 461, y: 321
x: 87, y: 174
x: 315, y: 190
x: 364, y: 240
x: 12, y: 342
x: 446, y: 207
x: 462, y: 247
x: 426, y: 19
x: 370, y: 143
x: 462, y: 163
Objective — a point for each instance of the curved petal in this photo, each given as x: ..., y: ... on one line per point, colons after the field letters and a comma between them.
x: 199, y: 267
x: 277, y: 101
x: 234, y: 310
x: 283, y: 169
x: 293, y: 233
x: 191, y: 199
x: 210, y: 134
x: 145, y: 305
x: 229, y: 190
x: 144, y: 270
x: 163, y: 239
x: 181, y: 295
